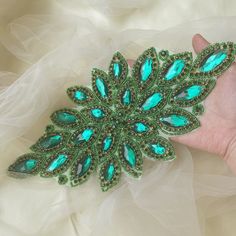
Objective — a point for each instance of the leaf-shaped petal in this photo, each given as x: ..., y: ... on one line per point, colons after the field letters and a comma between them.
x: 50, y: 141
x: 145, y: 68
x: 27, y: 164
x: 176, y: 121
x: 109, y: 173
x: 81, y: 95
x: 157, y: 147
x: 57, y: 164
x: 102, y: 85
x: 130, y: 158
x: 66, y: 118
x: 175, y: 69
x: 189, y: 93
x: 118, y: 69
x: 213, y: 60
x: 83, y: 167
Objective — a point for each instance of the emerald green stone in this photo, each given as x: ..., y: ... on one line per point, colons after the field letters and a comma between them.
x: 66, y: 117
x: 26, y: 166
x: 146, y: 69
x: 84, y: 136
x: 116, y: 69
x: 80, y: 95
x: 107, y: 143
x: 84, y: 165
x: 190, y: 92
x: 97, y: 113
x: 152, y: 101
x: 140, y: 127
x: 50, y: 141
x: 213, y: 61
x: 57, y: 162
x: 129, y: 155
x: 126, y: 98
x: 175, y: 69
x: 110, y: 171
x: 101, y: 87
x: 157, y: 149
x: 175, y: 120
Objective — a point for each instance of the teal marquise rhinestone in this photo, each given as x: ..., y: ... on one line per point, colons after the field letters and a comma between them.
x: 26, y: 166
x: 157, y: 149
x: 97, y: 113
x: 109, y: 172
x: 107, y: 142
x: 126, y: 98
x: 116, y: 69
x: 66, y: 117
x: 101, y: 87
x: 146, y: 69
x: 84, y: 165
x: 141, y: 127
x: 190, y: 92
x: 57, y: 162
x: 213, y: 61
x: 175, y: 120
x: 84, y: 136
x: 80, y: 95
x: 129, y: 155
x: 50, y: 141
x: 152, y: 101
x: 175, y: 69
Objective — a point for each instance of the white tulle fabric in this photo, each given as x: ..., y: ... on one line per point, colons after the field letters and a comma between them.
x: 47, y: 46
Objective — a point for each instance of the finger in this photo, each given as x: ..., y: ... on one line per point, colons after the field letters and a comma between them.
x: 199, y: 43
x: 130, y: 62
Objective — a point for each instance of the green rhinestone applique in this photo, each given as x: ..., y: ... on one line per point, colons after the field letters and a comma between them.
x: 126, y: 116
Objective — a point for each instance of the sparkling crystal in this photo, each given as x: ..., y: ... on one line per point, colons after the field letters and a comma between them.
x: 152, y: 101
x: 101, y: 86
x: 129, y: 155
x: 80, y: 95
x: 140, y: 127
x: 84, y: 165
x: 175, y: 69
x: 57, y: 162
x: 84, y: 136
x: 50, y: 141
x: 146, y: 69
x: 190, y: 92
x: 107, y: 143
x: 66, y: 117
x: 126, y: 98
x: 157, y: 149
x: 26, y: 166
x: 116, y: 69
x: 110, y: 171
x: 97, y: 113
x: 175, y: 120
x: 213, y: 61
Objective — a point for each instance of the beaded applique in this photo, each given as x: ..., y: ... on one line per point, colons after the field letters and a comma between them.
x: 126, y: 116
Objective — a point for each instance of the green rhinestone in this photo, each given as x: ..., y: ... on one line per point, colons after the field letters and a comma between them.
x: 57, y: 162
x: 50, y: 141
x: 175, y: 69
x: 84, y: 165
x: 97, y: 113
x: 85, y: 136
x: 189, y: 93
x: 140, y: 127
x: 146, y: 69
x: 80, y: 95
x: 157, y: 149
x: 152, y: 101
x: 126, y: 98
x: 102, y: 88
x: 129, y: 155
x: 175, y: 120
x: 26, y: 166
x: 107, y: 143
x: 66, y: 117
x: 110, y: 171
x: 116, y: 69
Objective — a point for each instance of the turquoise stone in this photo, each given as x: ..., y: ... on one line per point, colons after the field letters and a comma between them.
x: 140, y: 127
x: 97, y: 113
x: 50, y: 141
x: 213, y: 61
x: 190, y: 92
x: 107, y: 143
x: 175, y: 69
x: 26, y: 166
x: 57, y: 162
x: 146, y: 69
x: 126, y: 98
x: 84, y: 136
x: 152, y: 101
x: 129, y: 155
x: 80, y: 95
x: 110, y: 171
x: 175, y: 120
x: 157, y: 149
x: 66, y: 117
x: 101, y: 87
x: 84, y: 165
x: 116, y: 69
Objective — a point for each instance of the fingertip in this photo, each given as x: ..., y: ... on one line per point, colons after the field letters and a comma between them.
x: 199, y: 43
